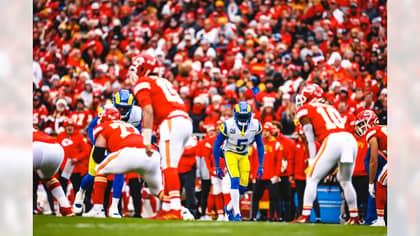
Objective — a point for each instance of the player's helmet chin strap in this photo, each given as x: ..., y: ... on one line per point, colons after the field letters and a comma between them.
x: 243, y: 126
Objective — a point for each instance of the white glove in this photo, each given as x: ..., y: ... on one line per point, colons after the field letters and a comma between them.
x: 283, y: 166
x: 372, y: 190
x: 275, y: 179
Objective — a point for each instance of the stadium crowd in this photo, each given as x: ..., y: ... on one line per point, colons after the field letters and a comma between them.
x: 215, y: 53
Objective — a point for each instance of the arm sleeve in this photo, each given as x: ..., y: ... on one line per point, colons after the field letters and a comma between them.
x: 217, y: 148
x: 309, y: 133
x: 260, y: 148
x: 90, y: 128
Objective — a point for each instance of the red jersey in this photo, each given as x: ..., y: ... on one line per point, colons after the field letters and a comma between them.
x: 207, y: 153
x: 362, y: 148
x: 325, y: 119
x: 381, y: 133
x: 273, y: 154
x: 158, y: 92
x: 288, y: 151
x: 81, y: 118
x: 75, y: 147
x: 42, y: 137
x: 119, y: 135
x: 300, y: 163
x: 39, y: 114
x: 300, y: 159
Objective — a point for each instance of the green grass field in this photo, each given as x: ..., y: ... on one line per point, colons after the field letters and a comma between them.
x: 78, y: 226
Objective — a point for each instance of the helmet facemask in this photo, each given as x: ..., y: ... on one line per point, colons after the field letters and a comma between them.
x: 300, y: 100
x: 361, y: 127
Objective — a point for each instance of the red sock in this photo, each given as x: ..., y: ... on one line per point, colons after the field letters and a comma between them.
x: 219, y: 203
x: 211, y: 202
x: 99, y: 188
x: 172, y: 185
x: 380, y: 199
x: 226, y: 199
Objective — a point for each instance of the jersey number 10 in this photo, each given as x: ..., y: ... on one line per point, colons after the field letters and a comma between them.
x: 331, y: 117
x: 170, y: 93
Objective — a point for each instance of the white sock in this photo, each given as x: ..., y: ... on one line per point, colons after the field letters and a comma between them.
x: 229, y: 206
x: 234, y: 194
x: 175, y: 200
x: 114, y: 203
x: 58, y: 193
x: 166, y: 206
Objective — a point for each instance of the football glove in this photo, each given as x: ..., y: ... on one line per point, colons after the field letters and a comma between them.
x: 372, y: 190
x: 260, y: 172
x: 219, y: 173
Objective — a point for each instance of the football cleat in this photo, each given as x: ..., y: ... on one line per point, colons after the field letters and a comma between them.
x: 229, y: 213
x: 66, y: 211
x: 206, y: 218
x: 114, y: 212
x: 237, y: 217
x: 301, y: 219
x: 78, y: 202
x: 158, y: 215
x: 186, y: 214
x: 353, y: 221
x: 379, y: 222
x: 221, y: 218
x: 170, y: 215
x: 97, y: 211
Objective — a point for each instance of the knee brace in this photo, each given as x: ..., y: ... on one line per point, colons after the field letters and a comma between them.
x: 242, y: 189
x: 234, y: 183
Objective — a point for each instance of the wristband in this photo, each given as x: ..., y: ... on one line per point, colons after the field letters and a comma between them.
x: 147, y: 136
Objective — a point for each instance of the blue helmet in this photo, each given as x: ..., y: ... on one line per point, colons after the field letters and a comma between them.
x: 242, y: 112
x: 123, y: 100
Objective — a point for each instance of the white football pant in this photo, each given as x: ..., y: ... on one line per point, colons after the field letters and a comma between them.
x: 129, y: 160
x: 220, y: 185
x: 338, y: 148
x: 174, y: 134
x: 47, y: 158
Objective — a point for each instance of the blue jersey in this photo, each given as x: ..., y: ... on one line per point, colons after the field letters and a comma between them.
x: 135, y: 118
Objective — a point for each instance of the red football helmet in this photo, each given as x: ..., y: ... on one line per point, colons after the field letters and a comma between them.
x: 365, y: 120
x: 142, y: 65
x: 109, y: 114
x: 308, y: 93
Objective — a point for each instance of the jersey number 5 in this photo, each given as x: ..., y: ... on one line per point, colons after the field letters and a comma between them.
x: 241, y: 145
x: 125, y: 129
x: 331, y: 117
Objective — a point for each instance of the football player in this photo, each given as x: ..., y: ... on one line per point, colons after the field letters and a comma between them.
x: 220, y: 187
x: 323, y: 122
x: 163, y: 108
x: 127, y: 153
x: 377, y: 139
x: 123, y: 100
x: 47, y: 158
x: 239, y: 132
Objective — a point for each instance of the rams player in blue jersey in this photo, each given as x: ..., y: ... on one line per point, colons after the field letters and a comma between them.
x: 237, y: 134
x: 123, y: 100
